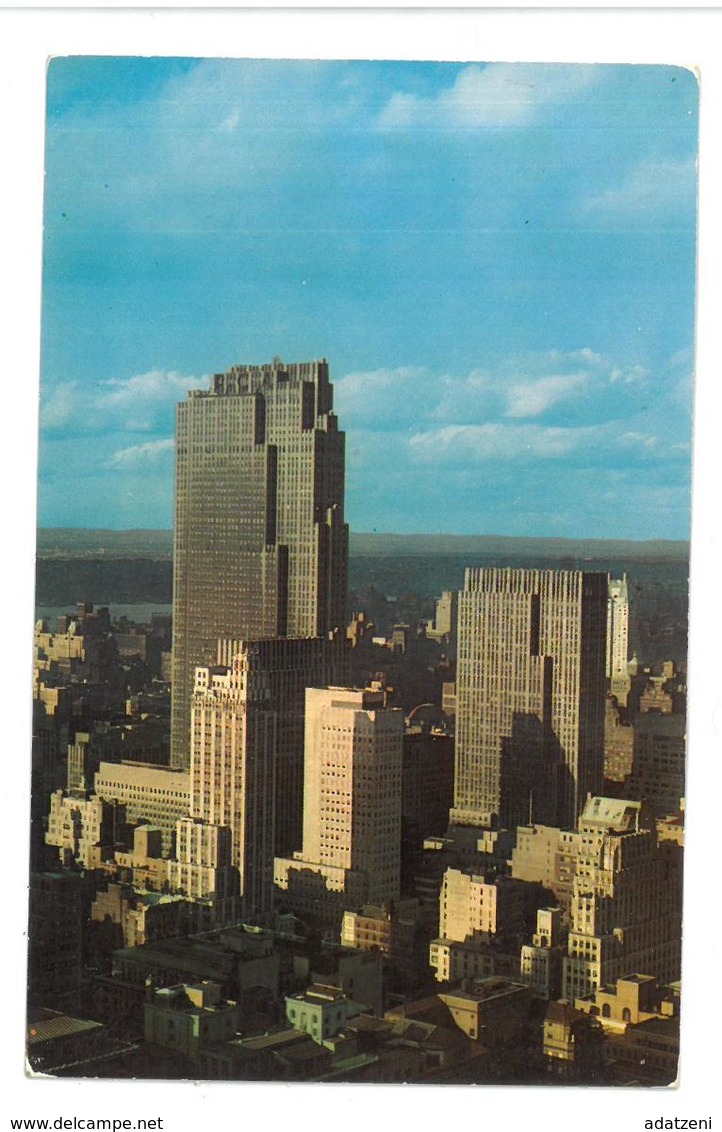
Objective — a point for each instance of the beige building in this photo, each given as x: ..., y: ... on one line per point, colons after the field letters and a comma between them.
x: 476, y: 917
x: 530, y: 695
x: 617, y: 888
x: 443, y: 627
x: 470, y: 906
x: 546, y: 855
x: 626, y: 903
x: 629, y: 1001
x: 246, y: 773
x: 203, y: 868
x: 493, y: 1011
x: 618, y: 634
x: 352, y: 804
x: 640, y: 1021
x: 85, y: 831
x: 144, y: 863
x: 260, y: 541
x: 156, y: 795
x: 453, y: 961
x: 540, y: 965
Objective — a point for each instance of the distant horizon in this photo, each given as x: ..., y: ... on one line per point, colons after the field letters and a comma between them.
x: 405, y: 535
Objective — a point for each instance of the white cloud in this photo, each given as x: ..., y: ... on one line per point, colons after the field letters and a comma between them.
x: 466, y: 445
x: 532, y: 398
x: 381, y: 397
x: 472, y: 444
x: 571, y: 387
x: 495, y: 95
x: 653, y: 189
x: 136, y: 401
x: 58, y: 406
x: 140, y: 454
x: 141, y: 403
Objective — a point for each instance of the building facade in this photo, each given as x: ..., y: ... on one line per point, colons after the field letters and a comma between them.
x: 352, y: 803
x: 247, y: 733
x: 530, y: 696
x: 260, y: 543
x: 154, y: 794
x: 618, y: 631
x: 626, y: 902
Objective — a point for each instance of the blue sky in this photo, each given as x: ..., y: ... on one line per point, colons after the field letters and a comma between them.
x: 497, y: 260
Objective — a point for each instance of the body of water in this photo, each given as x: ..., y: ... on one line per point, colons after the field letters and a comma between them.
x: 141, y: 613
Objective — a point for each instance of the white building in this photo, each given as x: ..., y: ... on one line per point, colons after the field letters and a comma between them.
x: 626, y: 900
x: 352, y: 803
x: 618, y: 629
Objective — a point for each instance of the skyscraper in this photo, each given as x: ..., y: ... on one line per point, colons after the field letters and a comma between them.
x: 618, y: 638
x: 531, y: 694
x: 247, y: 751
x: 260, y: 543
x: 352, y: 804
x: 618, y: 627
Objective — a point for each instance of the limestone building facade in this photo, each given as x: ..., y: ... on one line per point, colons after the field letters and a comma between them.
x: 351, y: 851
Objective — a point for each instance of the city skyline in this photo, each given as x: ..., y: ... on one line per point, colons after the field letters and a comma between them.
x: 673, y: 36
x: 529, y: 369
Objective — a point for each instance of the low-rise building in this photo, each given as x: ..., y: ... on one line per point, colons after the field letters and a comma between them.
x: 493, y: 1011
x: 144, y: 866
x: 476, y: 958
x: 541, y: 961
x: 143, y: 917
x: 158, y: 795
x: 189, y: 1017
x: 573, y: 1044
x: 400, y: 931
x: 86, y: 830
x: 321, y: 1011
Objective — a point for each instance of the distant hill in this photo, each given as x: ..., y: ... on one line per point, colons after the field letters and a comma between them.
x: 391, y: 577
x: 506, y: 546
x: 77, y: 542
x: 68, y: 542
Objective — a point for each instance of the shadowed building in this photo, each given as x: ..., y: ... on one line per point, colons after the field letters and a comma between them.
x: 530, y: 696
x: 55, y: 939
x: 260, y: 546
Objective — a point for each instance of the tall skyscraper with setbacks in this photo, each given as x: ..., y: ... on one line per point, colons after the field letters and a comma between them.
x: 260, y: 542
x: 530, y: 696
x: 247, y: 745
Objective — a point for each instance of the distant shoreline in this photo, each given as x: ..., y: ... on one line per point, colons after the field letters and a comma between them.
x: 80, y: 542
